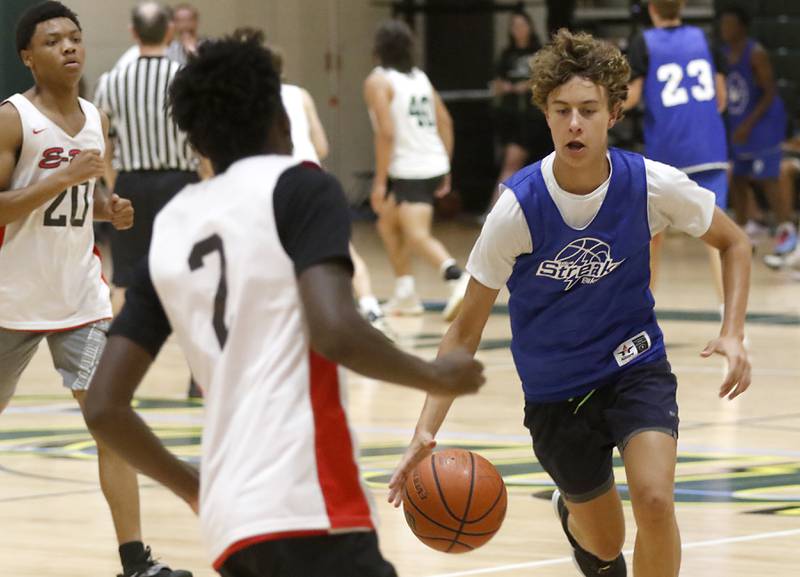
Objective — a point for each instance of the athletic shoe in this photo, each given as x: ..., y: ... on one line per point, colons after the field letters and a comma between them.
x: 458, y: 289
x: 152, y: 568
x: 755, y: 230
x: 785, y: 239
x: 585, y: 562
x: 378, y: 321
x: 406, y: 305
x: 790, y: 260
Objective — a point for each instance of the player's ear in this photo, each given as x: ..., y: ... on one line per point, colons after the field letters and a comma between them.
x: 27, y: 57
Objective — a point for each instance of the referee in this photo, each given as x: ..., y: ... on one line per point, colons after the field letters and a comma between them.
x: 152, y: 156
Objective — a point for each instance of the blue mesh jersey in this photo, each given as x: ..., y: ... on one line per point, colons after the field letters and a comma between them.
x: 580, y: 305
x: 682, y: 126
x: 743, y: 96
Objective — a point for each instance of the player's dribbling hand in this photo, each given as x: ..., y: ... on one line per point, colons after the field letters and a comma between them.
x: 457, y: 373
x: 421, y: 446
x: 86, y: 165
x: 737, y: 379
x: 121, y: 215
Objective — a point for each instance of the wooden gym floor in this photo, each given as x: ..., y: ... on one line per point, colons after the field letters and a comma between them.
x: 738, y: 477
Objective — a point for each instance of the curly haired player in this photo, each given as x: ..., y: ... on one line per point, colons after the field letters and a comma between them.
x: 570, y: 238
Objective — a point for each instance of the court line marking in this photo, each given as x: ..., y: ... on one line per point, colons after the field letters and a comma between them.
x: 561, y: 560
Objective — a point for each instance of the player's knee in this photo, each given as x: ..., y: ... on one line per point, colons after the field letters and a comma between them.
x: 417, y: 238
x: 653, y: 506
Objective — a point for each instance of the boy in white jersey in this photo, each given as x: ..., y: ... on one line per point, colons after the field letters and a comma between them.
x: 413, y: 145
x: 570, y: 237
x: 252, y: 271
x: 311, y: 144
x: 51, y: 151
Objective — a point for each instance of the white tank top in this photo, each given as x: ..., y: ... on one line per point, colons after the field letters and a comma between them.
x: 50, y: 272
x: 292, y: 97
x: 418, y: 151
x: 278, y: 455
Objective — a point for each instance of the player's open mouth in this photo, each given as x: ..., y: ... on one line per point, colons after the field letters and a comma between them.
x: 575, y: 145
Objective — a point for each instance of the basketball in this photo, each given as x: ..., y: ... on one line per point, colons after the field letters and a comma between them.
x: 454, y: 501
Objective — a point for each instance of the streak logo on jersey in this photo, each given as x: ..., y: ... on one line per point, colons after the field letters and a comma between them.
x: 585, y: 260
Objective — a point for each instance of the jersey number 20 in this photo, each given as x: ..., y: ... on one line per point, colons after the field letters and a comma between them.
x: 674, y: 94
x: 77, y: 216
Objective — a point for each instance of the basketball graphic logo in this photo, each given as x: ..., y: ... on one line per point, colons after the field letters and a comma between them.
x: 738, y: 95
x: 585, y: 260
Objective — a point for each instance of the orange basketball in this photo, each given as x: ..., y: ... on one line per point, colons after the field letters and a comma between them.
x: 454, y: 501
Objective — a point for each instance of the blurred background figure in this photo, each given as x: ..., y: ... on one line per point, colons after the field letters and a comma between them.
x: 413, y: 146
x: 520, y: 126
x: 756, y: 124
x: 311, y: 145
x: 186, y: 20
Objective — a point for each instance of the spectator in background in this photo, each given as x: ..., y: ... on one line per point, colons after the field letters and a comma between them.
x: 154, y: 159
x: 186, y: 20
x: 756, y: 124
x: 521, y: 126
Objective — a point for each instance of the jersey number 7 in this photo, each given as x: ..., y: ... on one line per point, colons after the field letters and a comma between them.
x: 200, y: 250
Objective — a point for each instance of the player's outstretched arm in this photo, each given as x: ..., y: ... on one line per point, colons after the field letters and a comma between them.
x: 735, y: 253
x: 339, y: 333
x: 16, y: 204
x: 464, y: 334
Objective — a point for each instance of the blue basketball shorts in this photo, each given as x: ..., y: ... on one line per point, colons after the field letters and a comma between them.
x: 764, y: 165
x: 574, y: 440
x: 716, y: 181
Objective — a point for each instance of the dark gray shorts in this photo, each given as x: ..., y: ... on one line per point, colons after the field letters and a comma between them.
x: 414, y: 190
x: 574, y: 440
x: 75, y: 354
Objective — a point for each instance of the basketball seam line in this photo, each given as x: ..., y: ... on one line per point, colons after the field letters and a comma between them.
x: 439, y: 490
x: 490, y: 509
x: 469, y: 500
x: 435, y: 522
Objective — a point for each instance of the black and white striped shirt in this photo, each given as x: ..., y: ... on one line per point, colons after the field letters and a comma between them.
x: 134, y: 97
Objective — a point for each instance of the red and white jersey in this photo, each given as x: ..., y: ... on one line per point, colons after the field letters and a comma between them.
x: 50, y: 272
x: 278, y: 456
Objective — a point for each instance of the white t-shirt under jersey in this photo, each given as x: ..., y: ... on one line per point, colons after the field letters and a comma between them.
x: 673, y: 199
x: 418, y: 151
x: 50, y: 273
